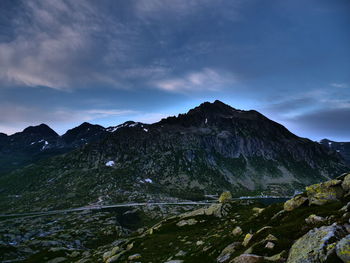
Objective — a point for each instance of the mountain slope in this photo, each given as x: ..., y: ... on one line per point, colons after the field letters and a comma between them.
x: 210, y: 149
x: 343, y: 148
x: 39, y: 142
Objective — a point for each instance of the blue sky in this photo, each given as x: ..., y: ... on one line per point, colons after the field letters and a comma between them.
x: 66, y: 62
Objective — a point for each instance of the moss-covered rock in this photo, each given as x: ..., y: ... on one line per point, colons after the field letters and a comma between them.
x: 295, y: 202
x: 248, y: 258
x: 225, y: 197
x: 317, y: 245
x: 314, y: 219
x: 247, y: 239
x: 322, y: 193
x: 343, y: 249
x: 346, y: 183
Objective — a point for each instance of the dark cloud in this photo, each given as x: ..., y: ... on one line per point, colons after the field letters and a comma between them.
x: 328, y: 123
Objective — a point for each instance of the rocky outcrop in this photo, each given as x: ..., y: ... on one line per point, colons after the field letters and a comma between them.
x: 322, y: 193
x: 318, y: 245
x: 295, y: 202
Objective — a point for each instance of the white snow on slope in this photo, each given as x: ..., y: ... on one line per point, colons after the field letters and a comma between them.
x: 110, y: 163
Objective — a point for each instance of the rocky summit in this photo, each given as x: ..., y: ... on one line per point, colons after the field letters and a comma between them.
x: 210, y: 149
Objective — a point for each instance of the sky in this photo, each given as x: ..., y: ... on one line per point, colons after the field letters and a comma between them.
x: 66, y: 62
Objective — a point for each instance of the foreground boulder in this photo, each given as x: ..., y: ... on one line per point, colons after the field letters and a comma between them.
x: 317, y: 246
x: 323, y: 193
x: 295, y: 202
x: 343, y: 249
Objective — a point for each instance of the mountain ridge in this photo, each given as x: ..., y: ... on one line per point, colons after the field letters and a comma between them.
x: 187, y: 156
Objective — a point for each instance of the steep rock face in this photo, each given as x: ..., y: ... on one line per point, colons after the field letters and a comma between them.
x: 212, y: 148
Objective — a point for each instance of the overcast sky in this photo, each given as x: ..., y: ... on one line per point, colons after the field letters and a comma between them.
x: 66, y: 62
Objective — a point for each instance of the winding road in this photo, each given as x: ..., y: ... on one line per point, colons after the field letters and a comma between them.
x: 99, y: 207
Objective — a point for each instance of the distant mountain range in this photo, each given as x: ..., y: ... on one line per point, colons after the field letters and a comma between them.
x: 343, y: 148
x: 212, y: 148
x: 39, y: 142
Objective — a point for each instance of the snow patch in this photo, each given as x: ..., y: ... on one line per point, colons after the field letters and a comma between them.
x: 206, y: 120
x: 45, y: 145
x: 148, y: 180
x: 146, y: 130
x: 110, y: 163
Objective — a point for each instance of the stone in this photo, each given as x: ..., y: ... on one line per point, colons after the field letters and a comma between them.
x: 269, y: 245
x: 115, y: 250
x: 181, y: 253
x: 257, y: 210
x: 237, y: 231
x: 213, y: 210
x: 314, y: 219
x: 323, y: 193
x: 107, y: 255
x: 280, y: 257
x: 263, y: 229
x: 199, y: 243
x: 270, y: 237
x: 188, y: 222
x: 115, y: 258
x: 225, y: 197
x: 294, y: 203
x: 247, y: 239
x: 133, y: 257
x: 227, y: 252
x: 346, y: 183
x: 345, y: 208
x: 74, y: 254
x: 248, y: 258
x: 57, y: 260
x: 317, y: 245
x: 343, y: 249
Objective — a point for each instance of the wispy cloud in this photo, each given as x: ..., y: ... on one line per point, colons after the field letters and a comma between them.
x: 339, y: 85
x: 204, y: 80
x: 63, y: 45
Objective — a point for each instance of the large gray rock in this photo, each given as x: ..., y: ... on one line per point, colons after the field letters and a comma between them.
x: 343, y: 249
x: 317, y: 246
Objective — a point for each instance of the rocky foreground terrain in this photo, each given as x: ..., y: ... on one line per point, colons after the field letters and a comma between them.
x: 311, y: 227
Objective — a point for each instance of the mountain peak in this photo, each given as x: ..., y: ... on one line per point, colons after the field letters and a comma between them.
x: 41, y: 129
x: 217, y: 107
x: 208, y: 111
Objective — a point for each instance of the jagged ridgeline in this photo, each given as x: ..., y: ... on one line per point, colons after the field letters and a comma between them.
x: 212, y: 148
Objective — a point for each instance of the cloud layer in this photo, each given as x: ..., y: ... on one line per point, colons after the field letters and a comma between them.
x: 69, y: 61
